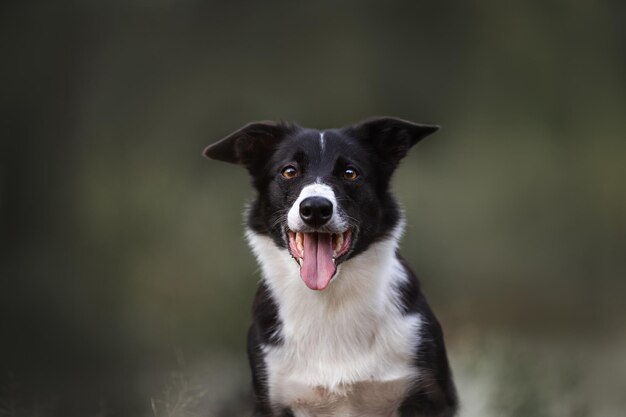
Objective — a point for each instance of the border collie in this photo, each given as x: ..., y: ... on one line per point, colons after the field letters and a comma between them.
x: 340, y: 325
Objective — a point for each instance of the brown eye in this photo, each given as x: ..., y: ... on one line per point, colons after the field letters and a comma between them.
x: 350, y: 174
x: 289, y: 172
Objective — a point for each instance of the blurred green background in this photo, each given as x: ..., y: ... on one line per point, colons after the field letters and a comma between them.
x: 125, y: 282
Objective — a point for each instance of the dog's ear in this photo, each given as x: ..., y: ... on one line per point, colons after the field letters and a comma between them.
x: 390, y: 137
x: 249, y: 145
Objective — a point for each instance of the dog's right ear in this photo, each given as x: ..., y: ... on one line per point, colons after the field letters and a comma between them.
x: 249, y: 145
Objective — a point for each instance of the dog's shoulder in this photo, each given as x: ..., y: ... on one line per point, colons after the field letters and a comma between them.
x: 434, y: 392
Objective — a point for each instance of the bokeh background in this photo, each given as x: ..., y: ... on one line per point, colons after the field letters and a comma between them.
x: 125, y: 283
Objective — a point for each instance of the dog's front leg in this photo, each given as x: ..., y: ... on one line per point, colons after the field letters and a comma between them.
x: 262, y: 406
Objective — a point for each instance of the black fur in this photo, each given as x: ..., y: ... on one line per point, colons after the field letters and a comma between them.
x: 435, y: 394
x: 374, y: 147
x: 264, y: 331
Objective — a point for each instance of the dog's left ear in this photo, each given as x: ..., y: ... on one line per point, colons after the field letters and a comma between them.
x: 250, y: 145
x: 390, y: 137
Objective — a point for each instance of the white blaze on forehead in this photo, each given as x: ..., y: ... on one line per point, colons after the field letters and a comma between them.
x: 322, y: 141
x: 294, y: 222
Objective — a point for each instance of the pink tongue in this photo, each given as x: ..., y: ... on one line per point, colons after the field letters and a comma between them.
x: 318, y: 266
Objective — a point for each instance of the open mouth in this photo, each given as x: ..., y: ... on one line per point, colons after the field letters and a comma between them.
x: 318, y: 255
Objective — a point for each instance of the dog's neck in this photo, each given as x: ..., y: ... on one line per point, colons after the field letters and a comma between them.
x: 362, y: 288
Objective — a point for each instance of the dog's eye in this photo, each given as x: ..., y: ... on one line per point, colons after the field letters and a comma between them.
x: 289, y: 172
x: 350, y: 174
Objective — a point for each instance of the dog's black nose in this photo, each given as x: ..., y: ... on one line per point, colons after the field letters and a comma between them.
x: 316, y: 211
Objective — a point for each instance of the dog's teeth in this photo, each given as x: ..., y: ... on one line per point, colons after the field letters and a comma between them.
x: 339, y: 243
x: 299, y: 239
x: 300, y: 260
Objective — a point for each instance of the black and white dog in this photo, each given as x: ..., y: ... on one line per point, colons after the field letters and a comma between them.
x: 340, y: 327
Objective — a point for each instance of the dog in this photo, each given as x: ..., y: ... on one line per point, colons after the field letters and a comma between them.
x: 340, y: 326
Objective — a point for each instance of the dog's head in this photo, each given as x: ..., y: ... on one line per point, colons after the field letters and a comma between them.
x: 322, y: 195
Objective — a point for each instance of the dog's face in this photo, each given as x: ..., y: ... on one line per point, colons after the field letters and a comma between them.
x: 323, y: 196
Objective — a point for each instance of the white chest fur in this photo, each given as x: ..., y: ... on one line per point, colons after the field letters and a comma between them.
x: 346, y: 349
